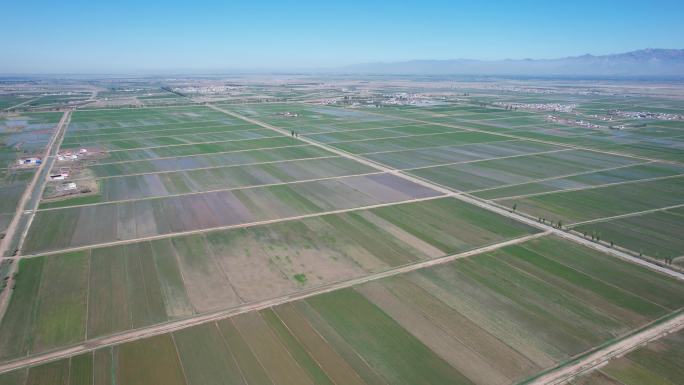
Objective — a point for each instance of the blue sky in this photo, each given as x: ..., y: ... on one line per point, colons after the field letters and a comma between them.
x: 138, y: 36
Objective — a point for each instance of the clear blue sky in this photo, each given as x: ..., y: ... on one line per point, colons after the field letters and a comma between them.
x: 132, y: 36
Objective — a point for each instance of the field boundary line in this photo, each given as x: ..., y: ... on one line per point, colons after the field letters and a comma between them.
x: 52, y: 158
x: 340, y: 130
x: 171, y: 326
x: 194, y: 155
x: 21, y: 207
x: 90, y: 144
x: 78, y: 131
x: 226, y: 227
x: 438, y: 146
x: 487, y: 159
x: 591, y: 187
x: 484, y: 204
x: 178, y: 357
x: 207, y: 168
x: 191, y: 144
x: 392, y: 137
x: 599, y: 356
x: 38, y: 182
x: 605, y: 249
x: 633, y: 214
x: 83, y: 143
x: 591, y: 275
x: 22, y: 103
x: 561, y: 177
x: 212, y: 191
x: 625, y: 155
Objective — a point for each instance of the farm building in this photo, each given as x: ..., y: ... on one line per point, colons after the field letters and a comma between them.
x: 31, y: 160
x: 60, y: 176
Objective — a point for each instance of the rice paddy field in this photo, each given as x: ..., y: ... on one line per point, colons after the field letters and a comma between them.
x: 495, y: 318
x: 238, y: 242
x: 659, y: 362
x: 515, y: 159
x: 182, y: 276
x: 21, y: 135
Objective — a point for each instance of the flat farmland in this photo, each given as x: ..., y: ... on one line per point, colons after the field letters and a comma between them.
x: 600, y: 202
x: 415, y: 142
x: 198, y: 148
x: 659, y: 362
x: 547, y: 300
x: 487, y: 155
x: 379, y: 133
x: 489, y: 174
x: 93, y: 224
x: 244, y: 242
x: 434, y: 156
x: 100, y: 291
x: 618, y: 175
x: 306, y: 119
x: 21, y: 135
x: 127, y: 119
x: 216, y: 178
x: 657, y: 234
x: 190, y: 162
x: 190, y: 136
x: 659, y: 140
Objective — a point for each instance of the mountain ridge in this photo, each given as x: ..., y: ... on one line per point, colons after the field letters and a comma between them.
x: 644, y: 62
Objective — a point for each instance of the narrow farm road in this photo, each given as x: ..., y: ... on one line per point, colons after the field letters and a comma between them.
x: 22, y: 103
x: 518, y: 137
x: 227, y: 227
x: 596, y: 359
x: 470, y: 199
x: 31, y: 196
x: 167, y: 327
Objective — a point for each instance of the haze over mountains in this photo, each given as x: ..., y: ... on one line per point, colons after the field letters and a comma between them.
x: 646, y: 62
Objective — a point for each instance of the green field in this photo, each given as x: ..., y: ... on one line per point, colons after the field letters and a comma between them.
x: 117, y: 288
x: 659, y: 362
x: 497, y: 317
x: 309, y: 243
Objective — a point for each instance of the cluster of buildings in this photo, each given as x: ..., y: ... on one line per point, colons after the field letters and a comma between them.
x: 29, y: 161
x: 288, y: 114
x: 61, y: 175
x: 553, y: 107
x: 71, y: 155
x: 207, y: 90
x: 406, y: 99
x: 329, y: 101
x: 646, y: 115
x: 573, y: 122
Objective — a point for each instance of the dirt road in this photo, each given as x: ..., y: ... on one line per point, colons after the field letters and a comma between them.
x: 227, y: 227
x: 36, y: 184
x: 472, y: 200
x: 592, y: 361
x: 209, y: 317
x: 32, y: 193
x: 517, y: 137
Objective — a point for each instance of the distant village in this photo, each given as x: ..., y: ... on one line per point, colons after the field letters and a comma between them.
x: 553, y: 107
x: 574, y: 122
x: 646, y: 115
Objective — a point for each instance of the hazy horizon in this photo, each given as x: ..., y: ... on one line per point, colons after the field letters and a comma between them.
x: 127, y: 37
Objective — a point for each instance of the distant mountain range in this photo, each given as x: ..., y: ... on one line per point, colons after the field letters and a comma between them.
x: 646, y: 62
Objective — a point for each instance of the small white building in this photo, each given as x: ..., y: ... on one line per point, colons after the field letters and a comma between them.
x: 31, y: 160
x: 63, y: 174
